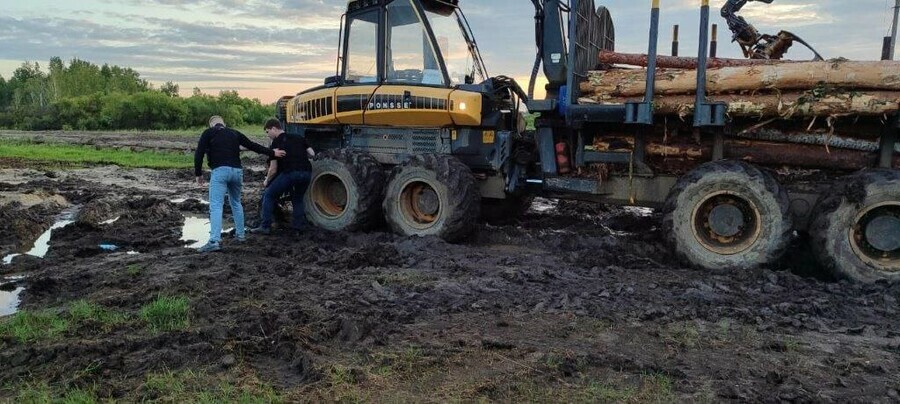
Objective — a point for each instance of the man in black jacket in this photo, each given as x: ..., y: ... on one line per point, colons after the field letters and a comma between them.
x: 222, y: 148
x: 290, y: 173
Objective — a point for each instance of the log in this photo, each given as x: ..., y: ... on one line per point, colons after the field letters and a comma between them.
x: 675, y: 62
x: 883, y: 75
x: 761, y: 152
x: 806, y: 104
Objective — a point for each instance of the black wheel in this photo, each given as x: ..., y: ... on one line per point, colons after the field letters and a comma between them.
x: 856, y: 231
x: 728, y: 215
x: 432, y: 195
x: 500, y: 211
x: 345, y: 191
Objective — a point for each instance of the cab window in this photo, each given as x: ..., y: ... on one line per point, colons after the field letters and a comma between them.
x: 410, y: 56
x: 362, y: 49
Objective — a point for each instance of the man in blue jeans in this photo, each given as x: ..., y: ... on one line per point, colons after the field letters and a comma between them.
x: 222, y: 147
x: 290, y: 173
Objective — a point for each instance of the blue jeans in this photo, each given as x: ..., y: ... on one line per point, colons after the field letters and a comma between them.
x: 294, y: 182
x: 224, y: 180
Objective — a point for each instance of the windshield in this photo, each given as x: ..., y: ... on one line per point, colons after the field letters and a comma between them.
x: 458, y: 57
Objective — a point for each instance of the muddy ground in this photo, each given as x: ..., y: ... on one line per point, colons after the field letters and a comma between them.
x: 573, y: 302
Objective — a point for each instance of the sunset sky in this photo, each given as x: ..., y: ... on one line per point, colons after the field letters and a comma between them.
x: 265, y: 49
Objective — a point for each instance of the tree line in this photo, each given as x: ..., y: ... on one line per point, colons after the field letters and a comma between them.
x: 85, y: 96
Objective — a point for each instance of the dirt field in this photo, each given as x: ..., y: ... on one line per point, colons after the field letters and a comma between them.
x: 574, y: 302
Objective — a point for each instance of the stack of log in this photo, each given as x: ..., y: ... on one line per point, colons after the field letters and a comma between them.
x: 752, y: 88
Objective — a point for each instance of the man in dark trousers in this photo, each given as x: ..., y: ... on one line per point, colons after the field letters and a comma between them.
x: 290, y: 173
x: 222, y: 148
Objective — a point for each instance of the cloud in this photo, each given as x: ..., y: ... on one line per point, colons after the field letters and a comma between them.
x: 294, y: 41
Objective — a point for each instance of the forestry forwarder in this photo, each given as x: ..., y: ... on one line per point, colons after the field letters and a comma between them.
x: 416, y: 133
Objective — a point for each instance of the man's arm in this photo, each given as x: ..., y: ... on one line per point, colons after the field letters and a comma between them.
x: 202, y: 146
x: 270, y: 175
x: 256, y: 147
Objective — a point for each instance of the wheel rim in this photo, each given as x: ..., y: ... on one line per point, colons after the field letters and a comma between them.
x: 726, y: 223
x: 875, y: 235
x: 329, y: 195
x: 420, y: 205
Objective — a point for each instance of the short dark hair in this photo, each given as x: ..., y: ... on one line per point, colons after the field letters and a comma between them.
x: 273, y: 123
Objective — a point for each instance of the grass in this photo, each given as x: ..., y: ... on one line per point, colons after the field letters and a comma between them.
x: 133, y: 269
x: 199, y: 387
x: 73, y: 154
x: 84, y: 312
x: 166, y: 313
x: 26, y: 326
x: 42, y: 393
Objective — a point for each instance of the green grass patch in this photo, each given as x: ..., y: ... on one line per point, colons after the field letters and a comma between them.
x: 133, y: 269
x: 166, y: 313
x: 26, y: 326
x: 73, y: 154
x: 198, y: 387
x: 84, y: 312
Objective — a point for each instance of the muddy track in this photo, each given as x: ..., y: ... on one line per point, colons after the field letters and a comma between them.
x: 570, y: 293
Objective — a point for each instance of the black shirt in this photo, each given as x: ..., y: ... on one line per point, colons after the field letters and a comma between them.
x: 295, y: 158
x: 223, y: 148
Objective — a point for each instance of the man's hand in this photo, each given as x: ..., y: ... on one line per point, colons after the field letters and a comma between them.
x: 265, y: 183
x: 200, y: 181
x: 279, y: 153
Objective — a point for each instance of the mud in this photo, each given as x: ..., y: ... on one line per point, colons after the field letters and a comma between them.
x: 569, y: 293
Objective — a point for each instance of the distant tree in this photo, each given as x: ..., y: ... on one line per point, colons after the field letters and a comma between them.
x: 4, y: 94
x: 31, y: 88
x: 196, y: 92
x: 170, y: 89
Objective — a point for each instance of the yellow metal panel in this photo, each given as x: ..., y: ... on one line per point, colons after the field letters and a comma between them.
x: 465, y: 108
x: 423, y: 106
x: 316, y: 107
x: 351, y: 103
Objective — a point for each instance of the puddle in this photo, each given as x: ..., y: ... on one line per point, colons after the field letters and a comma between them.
x: 183, y: 200
x: 639, y: 211
x: 9, y: 301
x: 196, y: 230
x: 42, y: 244
x: 543, y: 205
x: 111, y: 221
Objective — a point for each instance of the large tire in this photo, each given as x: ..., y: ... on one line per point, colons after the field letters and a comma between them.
x: 854, y: 233
x: 345, y: 192
x: 432, y: 195
x: 502, y: 211
x: 727, y: 215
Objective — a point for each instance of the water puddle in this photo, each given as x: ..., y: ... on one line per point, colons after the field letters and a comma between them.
x: 183, y: 200
x: 42, y: 244
x: 196, y: 230
x: 9, y: 295
x: 639, y: 211
x: 111, y: 221
x: 543, y: 205
x: 9, y: 301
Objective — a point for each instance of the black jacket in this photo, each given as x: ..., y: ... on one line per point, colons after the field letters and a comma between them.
x: 296, y: 158
x: 222, y: 146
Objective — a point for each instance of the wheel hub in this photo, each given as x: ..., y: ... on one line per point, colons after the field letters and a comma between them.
x: 420, y: 204
x: 726, y: 223
x: 726, y: 220
x: 428, y: 202
x: 329, y: 195
x: 876, y: 234
x: 883, y: 233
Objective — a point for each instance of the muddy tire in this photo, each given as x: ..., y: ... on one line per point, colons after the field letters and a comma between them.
x: 855, y: 232
x: 727, y: 215
x: 432, y: 195
x: 345, y: 192
x: 501, y: 211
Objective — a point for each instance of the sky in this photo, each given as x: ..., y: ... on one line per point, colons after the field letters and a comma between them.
x: 266, y: 49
